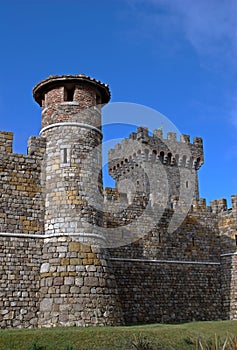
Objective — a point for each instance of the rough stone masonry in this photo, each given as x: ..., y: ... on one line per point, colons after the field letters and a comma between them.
x: 74, y: 253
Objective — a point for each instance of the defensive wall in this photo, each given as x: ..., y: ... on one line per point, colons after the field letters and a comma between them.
x: 73, y: 253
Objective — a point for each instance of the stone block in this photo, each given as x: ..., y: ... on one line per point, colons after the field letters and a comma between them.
x: 44, y: 268
x: 58, y: 281
x: 74, y: 246
x: 79, y: 281
x: 69, y: 280
x: 75, y: 261
x: 65, y: 261
x: 85, y: 248
x: 91, y: 281
x: 46, y: 304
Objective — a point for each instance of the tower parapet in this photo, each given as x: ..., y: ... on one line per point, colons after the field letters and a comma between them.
x: 168, y: 151
x: 170, y: 161
x: 218, y: 205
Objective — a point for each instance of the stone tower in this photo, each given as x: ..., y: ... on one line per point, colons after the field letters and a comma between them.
x: 77, y: 286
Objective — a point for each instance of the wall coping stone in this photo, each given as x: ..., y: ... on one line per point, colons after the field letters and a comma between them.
x: 87, y: 126
x: 25, y: 235
x: 229, y: 254
x: 167, y: 261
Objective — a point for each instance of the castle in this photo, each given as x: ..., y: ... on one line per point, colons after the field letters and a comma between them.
x: 74, y: 253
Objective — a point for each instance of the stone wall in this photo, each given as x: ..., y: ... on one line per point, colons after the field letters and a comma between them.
x: 186, y: 274
x: 227, y: 223
x: 71, y: 253
x: 153, y: 291
x: 19, y: 280
x: 77, y: 286
x: 21, y: 222
x: 21, y: 192
x: 153, y: 276
x: 71, y: 179
x: 229, y: 286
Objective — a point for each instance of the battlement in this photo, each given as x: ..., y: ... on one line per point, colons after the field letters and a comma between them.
x: 6, y: 139
x: 140, y: 147
x: 21, y: 202
x: 216, y: 206
x: 142, y: 133
x: 36, y: 144
x: 220, y: 205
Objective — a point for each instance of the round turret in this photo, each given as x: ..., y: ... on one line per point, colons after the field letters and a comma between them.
x: 58, y: 93
x: 71, y: 125
x: 75, y: 276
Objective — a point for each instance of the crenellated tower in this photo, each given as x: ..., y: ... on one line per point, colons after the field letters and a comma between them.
x: 166, y: 169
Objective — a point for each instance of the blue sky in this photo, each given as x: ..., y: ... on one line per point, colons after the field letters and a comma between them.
x: 175, y: 56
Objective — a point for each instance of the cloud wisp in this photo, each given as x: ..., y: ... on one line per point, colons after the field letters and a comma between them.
x: 209, y: 26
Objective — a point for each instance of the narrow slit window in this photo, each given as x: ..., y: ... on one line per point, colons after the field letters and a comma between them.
x: 236, y: 240
x: 159, y: 237
x: 193, y: 241
x: 187, y: 184
x: 65, y: 156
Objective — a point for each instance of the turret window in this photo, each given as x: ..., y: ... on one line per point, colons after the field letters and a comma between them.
x: 98, y: 99
x: 69, y: 94
x: 65, y: 156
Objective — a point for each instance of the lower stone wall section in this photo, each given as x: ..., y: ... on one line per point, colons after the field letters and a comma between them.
x: 62, y: 281
x: 19, y: 281
x: 154, y: 292
x: 229, y: 285
x: 77, y: 286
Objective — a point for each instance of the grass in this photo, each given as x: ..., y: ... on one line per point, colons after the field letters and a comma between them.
x: 162, y: 336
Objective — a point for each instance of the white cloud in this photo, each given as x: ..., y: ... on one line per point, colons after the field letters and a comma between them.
x: 209, y: 26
